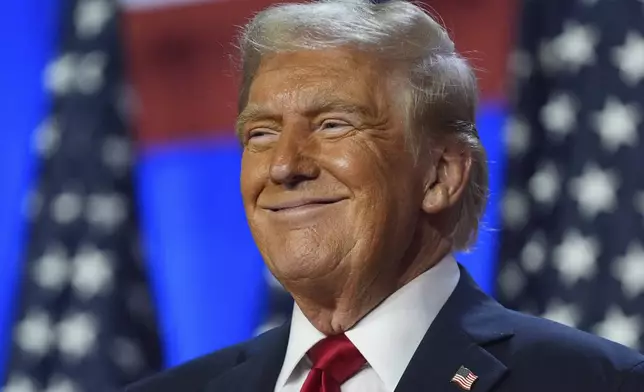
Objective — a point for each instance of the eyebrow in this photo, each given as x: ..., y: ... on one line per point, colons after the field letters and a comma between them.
x: 317, y: 106
x: 254, y: 112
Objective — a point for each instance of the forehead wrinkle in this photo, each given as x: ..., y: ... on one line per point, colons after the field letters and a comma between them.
x: 314, y: 88
x: 309, y: 102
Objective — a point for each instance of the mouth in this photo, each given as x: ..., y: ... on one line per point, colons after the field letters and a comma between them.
x: 300, y: 204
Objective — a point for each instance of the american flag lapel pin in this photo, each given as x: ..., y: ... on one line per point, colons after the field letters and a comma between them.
x: 464, y: 378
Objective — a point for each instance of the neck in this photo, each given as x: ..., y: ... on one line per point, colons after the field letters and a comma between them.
x: 334, y: 308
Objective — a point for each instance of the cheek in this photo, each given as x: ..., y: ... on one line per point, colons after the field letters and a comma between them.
x: 376, y: 177
x: 385, y: 186
x: 358, y: 164
x: 370, y: 180
x: 252, y: 177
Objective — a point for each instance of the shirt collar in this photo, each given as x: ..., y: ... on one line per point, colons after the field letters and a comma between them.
x: 417, y: 303
x: 302, y: 337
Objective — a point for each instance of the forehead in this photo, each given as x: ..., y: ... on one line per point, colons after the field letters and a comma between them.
x: 308, y: 77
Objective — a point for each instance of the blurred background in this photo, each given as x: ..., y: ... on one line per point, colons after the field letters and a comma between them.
x: 123, y: 244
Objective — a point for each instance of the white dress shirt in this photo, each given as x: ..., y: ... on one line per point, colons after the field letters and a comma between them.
x: 387, y: 337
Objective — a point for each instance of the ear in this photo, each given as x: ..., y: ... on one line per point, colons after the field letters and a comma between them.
x: 446, y: 178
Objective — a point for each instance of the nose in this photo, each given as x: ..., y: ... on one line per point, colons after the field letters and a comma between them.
x: 292, y: 161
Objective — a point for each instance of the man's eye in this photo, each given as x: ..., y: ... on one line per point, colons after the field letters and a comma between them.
x: 257, y: 133
x: 333, y: 125
x: 253, y: 134
x: 261, y: 136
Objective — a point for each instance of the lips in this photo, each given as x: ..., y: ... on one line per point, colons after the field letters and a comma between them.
x: 299, y: 203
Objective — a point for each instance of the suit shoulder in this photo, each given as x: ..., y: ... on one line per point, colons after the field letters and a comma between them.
x: 537, y: 338
x: 633, y: 379
x: 195, y: 374
x: 551, y: 355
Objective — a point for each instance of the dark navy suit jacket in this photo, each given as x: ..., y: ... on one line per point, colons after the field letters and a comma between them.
x: 508, y: 351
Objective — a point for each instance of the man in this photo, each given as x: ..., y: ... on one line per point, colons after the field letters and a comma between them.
x: 362, y: 172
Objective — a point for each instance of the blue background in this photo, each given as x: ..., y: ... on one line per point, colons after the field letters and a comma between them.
x: 27, y: 38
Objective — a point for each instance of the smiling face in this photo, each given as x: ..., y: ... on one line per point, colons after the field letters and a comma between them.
x: 330, y: 188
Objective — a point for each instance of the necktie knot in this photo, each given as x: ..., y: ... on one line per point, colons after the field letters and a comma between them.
x: 335, y: 360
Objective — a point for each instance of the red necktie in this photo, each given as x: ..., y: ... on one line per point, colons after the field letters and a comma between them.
x: 335, y: 360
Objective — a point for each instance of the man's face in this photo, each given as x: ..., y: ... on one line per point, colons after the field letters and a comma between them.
x: 329, y: 185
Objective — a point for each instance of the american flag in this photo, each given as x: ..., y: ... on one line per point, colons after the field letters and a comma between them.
x: 464, y: 378
x: 84, y: 322
x: 572, y: 243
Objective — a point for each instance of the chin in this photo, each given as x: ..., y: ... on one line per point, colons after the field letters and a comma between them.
x: 304, y: 252
x: 296, y: 264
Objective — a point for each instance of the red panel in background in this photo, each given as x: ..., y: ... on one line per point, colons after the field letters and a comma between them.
x: 181, y: 66
x: 483, y: 31
x: 180, y: 63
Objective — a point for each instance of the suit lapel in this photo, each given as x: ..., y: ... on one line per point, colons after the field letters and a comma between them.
x: 469, y: 321
x: 258, y: 365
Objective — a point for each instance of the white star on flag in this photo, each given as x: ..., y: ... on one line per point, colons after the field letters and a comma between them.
x: 511, y: 279
x: 517, y: 136
x: 51, y: 271
x: 61, y: 383
x: 533, y: 255
x: 117, y: 154
x: 576, y: 257
x: 66, y: 207
x: 617, y: 124
x: 35, y: 333
x: 77, y: 335
x: 515, y: 208
x: 20, y: 383
x: 629, y: 270
x: 629, y: 58
x: 620, y: 328
x: 93, y: 273
x: 90, y: 72
x: 575, y: 46
x: 544, y: 185
x: 47, y: 137
x: 559, y: 115
x: 563, y: 313
x: 60, y: 73
x: 91, y: 16
x: 106, y: 211
x: 594, y: 191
